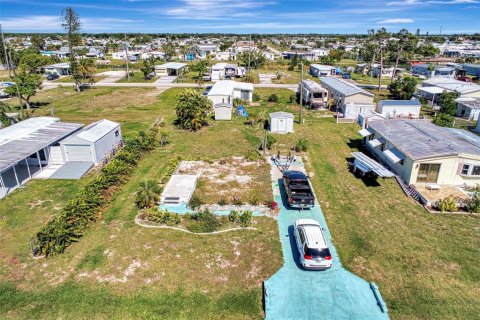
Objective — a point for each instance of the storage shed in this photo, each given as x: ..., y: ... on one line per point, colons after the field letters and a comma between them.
x: 399, y: 108
x: 93, y: 143
x: 223, y: 111
x: 281, y: 122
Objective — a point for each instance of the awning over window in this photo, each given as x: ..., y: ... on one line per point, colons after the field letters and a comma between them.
x: 376, y: 142
x: 365, y: 132
x: 394, y: 155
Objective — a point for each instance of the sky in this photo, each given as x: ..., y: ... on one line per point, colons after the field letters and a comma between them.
x: 245, y: 16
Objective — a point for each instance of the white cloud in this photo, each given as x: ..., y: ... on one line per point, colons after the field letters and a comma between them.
x: 53, y: 23
x: 398, y: 20
x: 428, y: 2
x: 215, y: 9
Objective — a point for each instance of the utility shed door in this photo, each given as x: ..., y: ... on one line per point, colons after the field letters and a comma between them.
x: 79, y: 153
x: 282, y: 124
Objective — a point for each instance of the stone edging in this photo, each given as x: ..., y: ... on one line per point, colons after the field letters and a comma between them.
x: 141, y: 224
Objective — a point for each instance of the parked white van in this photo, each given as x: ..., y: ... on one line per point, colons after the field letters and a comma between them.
x: 312, y: 245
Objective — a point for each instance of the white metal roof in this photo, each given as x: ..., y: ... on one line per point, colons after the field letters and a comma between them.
x: 226, y: 87
x: 394, y: 155
x: 171, y: 65
x: 21, y: 129
x: 363, y: 162
x: 219, y: 66
x: 376, y: 142
x: 93, y: 132
x: 27, y: 137
x: 59, y: 65
x: 365, y: 132
x: 432, y: 90
x: 452, y: 85
x: 281, y: 114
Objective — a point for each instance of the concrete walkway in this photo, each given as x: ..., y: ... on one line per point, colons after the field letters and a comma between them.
x: 293, y: 293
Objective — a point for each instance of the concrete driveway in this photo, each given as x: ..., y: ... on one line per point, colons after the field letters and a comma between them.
x: 294, y: 293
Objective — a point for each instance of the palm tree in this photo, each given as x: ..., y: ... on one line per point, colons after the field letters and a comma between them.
x: 184, y: 52
x: 149, y: 194
x: 195, y: 51
x: 86, y: 68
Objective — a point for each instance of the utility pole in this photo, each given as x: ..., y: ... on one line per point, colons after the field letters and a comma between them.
x: 5, y: 53
x: 300, y: 118
x: 249, y: 52
x: 16, y: 84
x: 381, y: 68
x: 126, y: 57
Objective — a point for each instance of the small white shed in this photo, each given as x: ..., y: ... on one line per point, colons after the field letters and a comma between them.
x: 281, y: 122
x: 93, y: 143
x: 223, y: 111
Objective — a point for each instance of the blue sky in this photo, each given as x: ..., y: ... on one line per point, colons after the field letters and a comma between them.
x: 245, y: 16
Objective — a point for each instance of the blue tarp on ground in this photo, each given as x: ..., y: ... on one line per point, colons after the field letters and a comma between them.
x: 293, y: 293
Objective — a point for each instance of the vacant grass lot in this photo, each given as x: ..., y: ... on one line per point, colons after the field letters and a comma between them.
x: 426, y: 265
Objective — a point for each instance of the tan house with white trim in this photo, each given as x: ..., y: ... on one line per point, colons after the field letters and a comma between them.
x: 423, y: 153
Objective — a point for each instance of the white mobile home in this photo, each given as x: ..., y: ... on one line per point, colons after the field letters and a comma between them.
x: 319, y: 70
x: 468, y: 108
x: 62, y: 69
x: 225, y: 91
x: 349, y: 99
x: 170, y: 69
x: 94, y: 143
x: 399, y: 108
x: 423, y: 153
x: 281, y: 122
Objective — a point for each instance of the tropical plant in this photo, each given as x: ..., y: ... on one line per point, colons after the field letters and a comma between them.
x: 473, y: 205
x: 447, y: 204
x: 148, y: 195
x: 233, y: 216
x: 195, y: 202
x: 192, y: 110
x: 402, y: 89
x: 302, y: 145
x: 26, y: 86
x: 272, y: 98
x: 245, y: 218
x: 148, y: 67
x: 86, y: 69
x: 256, y: 59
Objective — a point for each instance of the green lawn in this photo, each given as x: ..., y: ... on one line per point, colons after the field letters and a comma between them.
x: 425, y: 265
x: 137, y: 77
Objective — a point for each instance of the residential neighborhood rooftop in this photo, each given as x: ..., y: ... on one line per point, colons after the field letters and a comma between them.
x: 23, y: 139
x: 94, y: 131
x: 399, y: 103
x: 419, y: 139
x: 343, y: 87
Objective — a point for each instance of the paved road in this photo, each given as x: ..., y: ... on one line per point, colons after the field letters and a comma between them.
x: 50, y: 85
x: 296, y: 294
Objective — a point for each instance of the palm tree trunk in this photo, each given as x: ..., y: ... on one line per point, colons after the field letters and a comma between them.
x: 396, y: 63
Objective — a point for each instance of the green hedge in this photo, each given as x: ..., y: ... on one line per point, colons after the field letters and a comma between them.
x: 75, y: 218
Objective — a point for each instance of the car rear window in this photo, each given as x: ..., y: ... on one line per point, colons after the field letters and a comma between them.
x: 317, y: 253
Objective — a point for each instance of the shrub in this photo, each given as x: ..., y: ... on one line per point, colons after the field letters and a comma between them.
x: 270, y: 141
x: 222, y: 202
x: 473, y: 205
x: 246, y: 218
x: 254, y: 201
x: 447, y: 204
x: 237, y: 201
x: 302, y: 145
x: 148, y: 195
x: 192, y: 110
x: 233, y: 216
x: 75, y: 218
x: 255, y: 97
x: 252, y: 155
x: 292, y: 98
x: 272, y: 98
x: 195, y: 202
x: 203, y: 222
x: 249, y: 78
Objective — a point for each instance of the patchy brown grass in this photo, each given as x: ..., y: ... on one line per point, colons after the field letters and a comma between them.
x: 233, y: 180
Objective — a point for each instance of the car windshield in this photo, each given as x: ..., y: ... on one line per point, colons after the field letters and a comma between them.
x: 317, y: 253
x: 317, y: 95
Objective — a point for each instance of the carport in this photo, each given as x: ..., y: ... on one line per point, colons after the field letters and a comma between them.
x: 25, y: 149
x: 170, y: 69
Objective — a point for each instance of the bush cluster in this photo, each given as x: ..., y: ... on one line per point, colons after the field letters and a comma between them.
x: 75, y: 218
x: 448, y: 204
x: 302, y: 145
x: 272, y: 98
x: 203, y: 222
x: 161, y: 216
